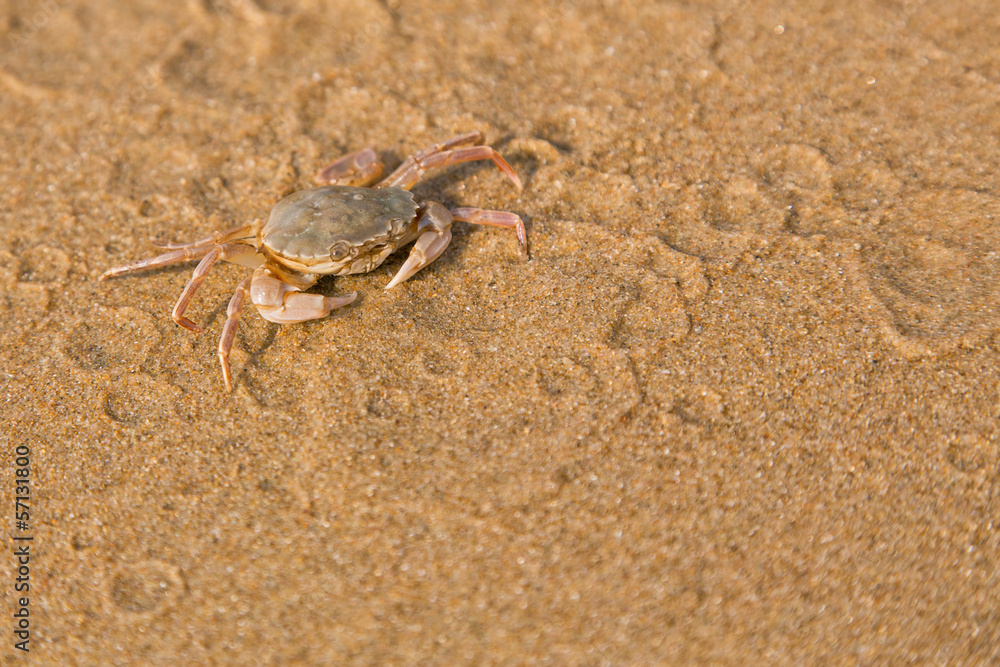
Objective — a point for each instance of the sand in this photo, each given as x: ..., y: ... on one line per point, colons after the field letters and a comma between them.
x: 739, y: 407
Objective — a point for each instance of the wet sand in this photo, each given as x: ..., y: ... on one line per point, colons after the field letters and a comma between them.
x: 739, y: 407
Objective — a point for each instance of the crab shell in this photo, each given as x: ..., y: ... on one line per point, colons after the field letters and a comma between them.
x: 338, y: 229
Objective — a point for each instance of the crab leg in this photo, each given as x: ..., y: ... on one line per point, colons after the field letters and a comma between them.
x: 215, y: 238
x: 233, y: 313
x: 478, y: 216
x: 466, y: 139
x: 443, y: 154
x: 434, y: 226
x: 226, y: 251
x: 360, y: 168
x: 185, y: 253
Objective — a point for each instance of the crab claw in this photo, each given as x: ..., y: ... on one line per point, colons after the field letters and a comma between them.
x: 428, y: 247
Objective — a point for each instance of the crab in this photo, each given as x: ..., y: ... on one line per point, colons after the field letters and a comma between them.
x: 349, y: 224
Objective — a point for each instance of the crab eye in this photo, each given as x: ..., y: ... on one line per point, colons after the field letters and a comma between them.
x: 339, y: 250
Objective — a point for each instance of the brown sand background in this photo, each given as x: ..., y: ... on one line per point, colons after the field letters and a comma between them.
x: 740, y: 406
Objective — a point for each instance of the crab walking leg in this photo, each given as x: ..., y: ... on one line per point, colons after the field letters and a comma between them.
x: 360, y: 168
x: 233, y: 313
x: 215, y: 238
x: 434, y: 227
x: 478, y: 216
x: 466, y: 139
x: 226, y: 251
x: 279, y: 302
x: 413, y: 168
x: 194, y: 252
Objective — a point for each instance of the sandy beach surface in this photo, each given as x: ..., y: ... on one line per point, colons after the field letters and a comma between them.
x: 739, y: 406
